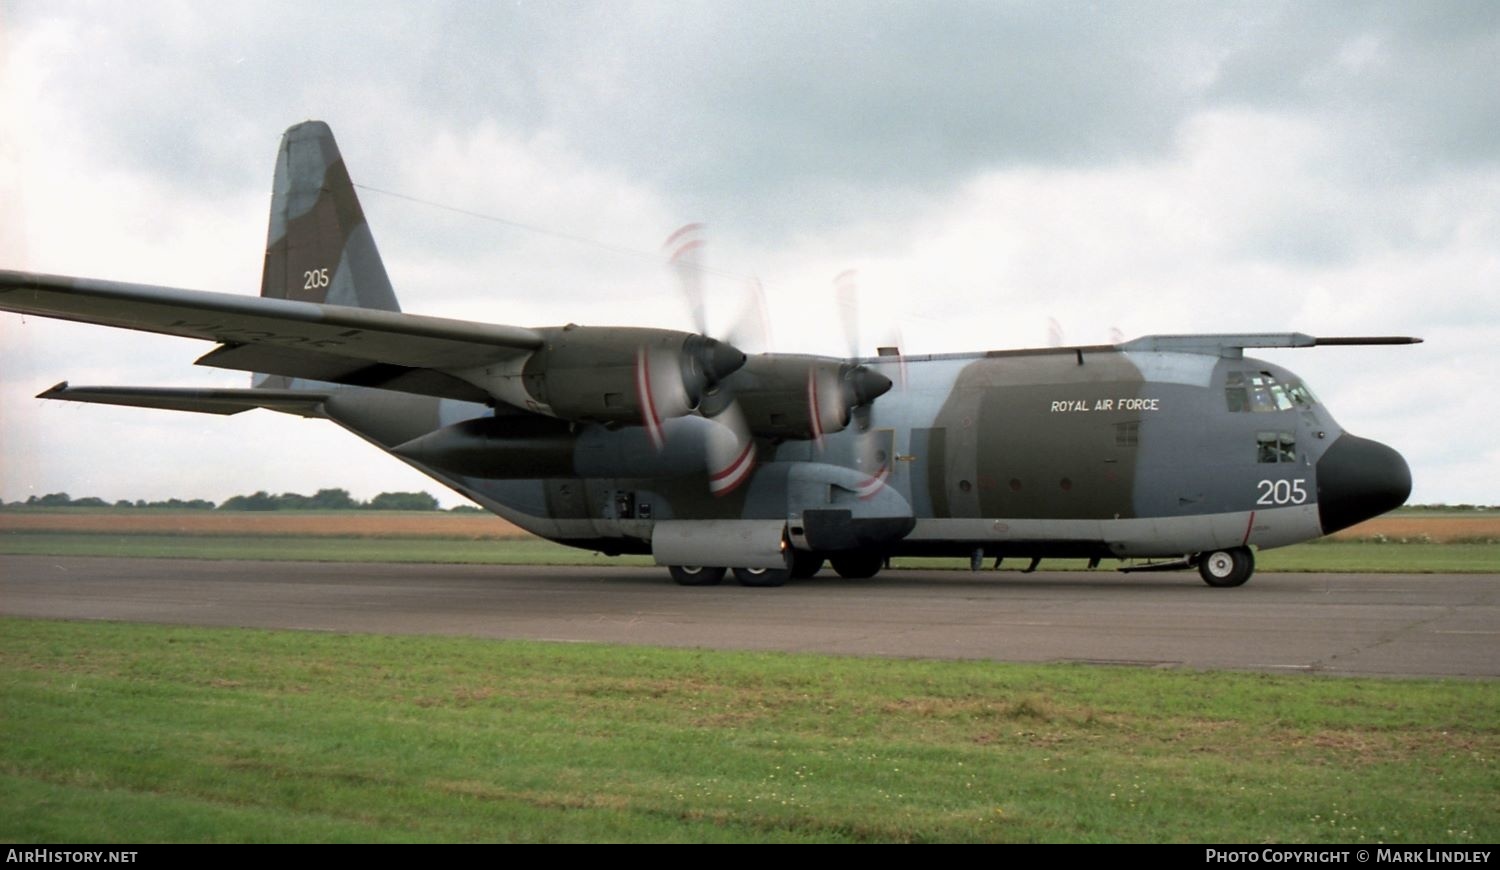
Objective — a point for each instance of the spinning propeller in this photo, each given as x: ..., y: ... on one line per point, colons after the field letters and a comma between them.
x: 695, y: 383
x: 781, y: 396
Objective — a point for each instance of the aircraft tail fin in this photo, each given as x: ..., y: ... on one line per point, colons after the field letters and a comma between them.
x: 319, y: 248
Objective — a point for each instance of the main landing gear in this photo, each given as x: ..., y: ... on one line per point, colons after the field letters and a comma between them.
x: 698, y: 575
x: 850, y: 566
x: 857, y: 566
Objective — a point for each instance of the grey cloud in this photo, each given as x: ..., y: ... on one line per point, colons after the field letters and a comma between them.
x: 780, y: 113
x: 1413, y: 87
x: 904, y: 94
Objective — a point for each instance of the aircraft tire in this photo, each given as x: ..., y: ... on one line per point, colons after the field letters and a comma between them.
x: 857, y: 566
x: 1226, y: 568
x: 805, y: 565
x: 762, y: 576
x: 696, y: 575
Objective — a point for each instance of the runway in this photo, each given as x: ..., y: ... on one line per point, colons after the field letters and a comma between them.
x: 1385, y: 624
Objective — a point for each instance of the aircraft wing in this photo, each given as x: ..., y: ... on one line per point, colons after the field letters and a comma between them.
x: 303, y: 403
x: 296, y: 333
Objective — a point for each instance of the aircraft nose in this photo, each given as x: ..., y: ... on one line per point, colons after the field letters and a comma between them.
x: 1358, y: 479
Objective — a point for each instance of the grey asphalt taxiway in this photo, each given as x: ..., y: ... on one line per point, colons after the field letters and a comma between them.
x: 1393, y: 624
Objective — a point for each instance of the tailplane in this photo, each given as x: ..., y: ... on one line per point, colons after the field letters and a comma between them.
x: 319, y: 248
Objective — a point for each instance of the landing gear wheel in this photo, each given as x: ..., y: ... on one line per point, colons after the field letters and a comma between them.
x: 696, y: 575
x: 762, y: 576
x: 1224, y: 568
x: 857, y: 566
x: 805, y: 565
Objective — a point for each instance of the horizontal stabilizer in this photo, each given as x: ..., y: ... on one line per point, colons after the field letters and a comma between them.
x: 205, y: 401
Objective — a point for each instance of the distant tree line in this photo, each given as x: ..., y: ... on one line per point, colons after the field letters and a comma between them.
x: 322, y: 500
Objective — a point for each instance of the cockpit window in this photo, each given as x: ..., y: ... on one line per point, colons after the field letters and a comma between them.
x: 1275, y: 447
x: 1301, y: 395
x: 1262, y: 392
x: 1234, y: 392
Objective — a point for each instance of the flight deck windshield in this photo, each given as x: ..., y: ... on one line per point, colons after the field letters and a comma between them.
x: 1262, y: 391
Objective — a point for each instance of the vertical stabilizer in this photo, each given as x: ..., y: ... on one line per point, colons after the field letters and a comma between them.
x: 319, y: 248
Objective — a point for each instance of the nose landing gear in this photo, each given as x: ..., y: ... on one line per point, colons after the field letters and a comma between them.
x: 1225, y: 568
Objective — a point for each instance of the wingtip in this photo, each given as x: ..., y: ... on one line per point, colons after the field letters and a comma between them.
x: 1356, y: 340
x: 56, y: 390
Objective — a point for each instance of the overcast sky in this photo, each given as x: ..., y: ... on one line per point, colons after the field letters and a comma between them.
x: 988, y: 168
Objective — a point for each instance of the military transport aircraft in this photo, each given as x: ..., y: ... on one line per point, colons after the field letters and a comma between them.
x: 628, y: 440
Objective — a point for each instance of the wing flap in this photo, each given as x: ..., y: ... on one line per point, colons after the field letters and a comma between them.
x: 201, y: 400
x: 410, y: 340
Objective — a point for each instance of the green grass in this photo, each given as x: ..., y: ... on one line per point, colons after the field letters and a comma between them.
x: 118, y: 732
x: 1373, y: 558
x: 1326, y: 555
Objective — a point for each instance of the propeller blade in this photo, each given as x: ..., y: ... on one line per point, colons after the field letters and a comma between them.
x: 752, y: 328
x: 684, y: 250
x: 846, y: 296
x: 660, y: 389
x: 731, y: 451
x: 1054, y: 333
x: 872, y: 485
x: 895, y: 347
x: 826, y: 407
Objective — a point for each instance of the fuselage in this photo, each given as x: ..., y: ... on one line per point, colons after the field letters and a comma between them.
x: 1107, y: 454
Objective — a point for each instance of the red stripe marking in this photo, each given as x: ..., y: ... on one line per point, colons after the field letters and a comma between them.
x: 685, y: 229
x: 812, y: 405
x: 873, y: 485
x: 648, y: 402
x: 737, y: 473
x: 1248, y: 526
x: 731, y: 467
x: 686, y: 248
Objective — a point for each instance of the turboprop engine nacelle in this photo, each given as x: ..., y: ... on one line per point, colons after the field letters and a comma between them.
x: 803, y: 397
x: 611, y: 375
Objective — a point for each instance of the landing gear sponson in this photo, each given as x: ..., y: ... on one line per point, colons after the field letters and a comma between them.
x: 1219, y: 568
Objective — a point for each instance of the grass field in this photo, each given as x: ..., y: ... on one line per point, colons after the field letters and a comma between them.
x: 117, y: 732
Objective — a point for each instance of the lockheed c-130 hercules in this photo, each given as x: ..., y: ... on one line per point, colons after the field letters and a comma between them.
x: 632, y: 440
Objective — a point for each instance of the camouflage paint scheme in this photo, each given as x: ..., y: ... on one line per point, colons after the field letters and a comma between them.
x: 1174, y: 447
